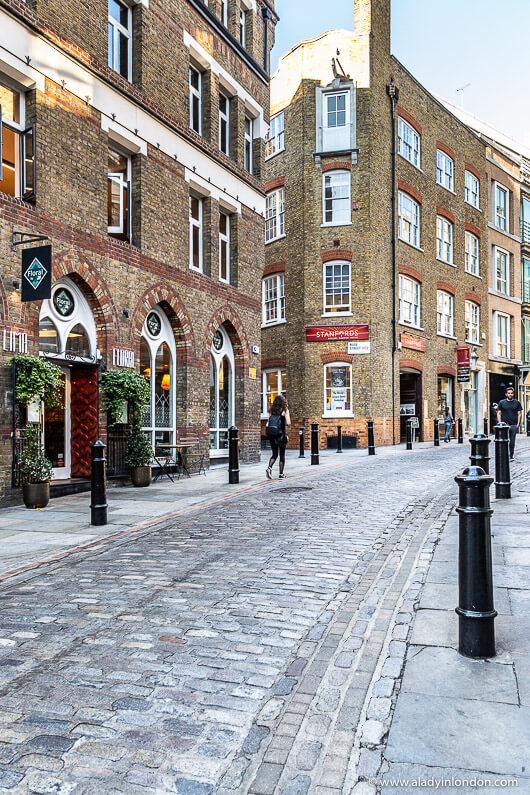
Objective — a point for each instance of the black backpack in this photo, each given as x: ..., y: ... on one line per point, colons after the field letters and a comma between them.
x: 274, y: 428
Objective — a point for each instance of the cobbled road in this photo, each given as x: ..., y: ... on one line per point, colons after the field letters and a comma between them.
x: 238, y: 649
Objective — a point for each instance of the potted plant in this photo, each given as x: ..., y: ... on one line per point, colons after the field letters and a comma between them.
x: 35, y: 470
x: 139, y: 455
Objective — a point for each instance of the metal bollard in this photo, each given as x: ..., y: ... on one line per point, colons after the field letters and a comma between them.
x: 409, y: 434
x: 460, y: 431
x: 315, y: 458
x: 371, y: 441
x: 480, y: 452
x: 503, y: 484
x: 528, y: 423
x: 339, y: 438
x: 302, y: 443
x: 98, y: 491
x: 486, y: 426
x: 233, y: 455
x: 436, y: 433
x: 476, y: 613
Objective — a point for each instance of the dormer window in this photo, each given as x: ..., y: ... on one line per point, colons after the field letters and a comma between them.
x: 336, y: 117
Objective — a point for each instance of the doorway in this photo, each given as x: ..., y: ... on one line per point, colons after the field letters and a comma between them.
x: 57, y: 430
x: 410, y: 403
x: 221, y: 393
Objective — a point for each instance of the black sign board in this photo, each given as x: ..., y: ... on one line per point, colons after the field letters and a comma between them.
x: 36, y: 273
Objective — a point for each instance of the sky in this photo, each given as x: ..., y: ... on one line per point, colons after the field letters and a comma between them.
x: 445, y: 46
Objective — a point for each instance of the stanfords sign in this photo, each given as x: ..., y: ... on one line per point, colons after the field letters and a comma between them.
x: 359, y: 331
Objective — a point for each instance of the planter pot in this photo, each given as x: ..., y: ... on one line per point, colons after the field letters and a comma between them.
x: 36, y: 495
x: 141, y: 476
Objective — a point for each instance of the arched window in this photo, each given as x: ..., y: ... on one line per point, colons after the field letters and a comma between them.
x: 221, y: 392
x: 157, y: 365
x: 66, y: 325
x: 48, y: 338
x: 77, y: 341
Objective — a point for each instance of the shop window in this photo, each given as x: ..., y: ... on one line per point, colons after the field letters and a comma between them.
x: 444, y: 239
x: 119, y: 195
x: 472, y: 254
x: 48, y: 338
x: 224, y: 247
x: 445, y: 314
x: 337, y: 289
x: 196, y: 233
x: 275, y: 138
x: 472, y: 189
x: 120, y: 38
x: 275, y: 215
x: 408, y: 219
x: 472, y: 320
x: 409, y: 301
x: 224, y: 124
x: 337, y: 389
x: 273, y: 299
x: 17, y: 146
x: 77, y: 341
x: 445, y: 394
x: 195, y: 99
x: 157, y: 365
x: 274, y: 383
x: 221, y: 392
x: 445, y: 168
x: 336, y: 198
x: 408, y: 142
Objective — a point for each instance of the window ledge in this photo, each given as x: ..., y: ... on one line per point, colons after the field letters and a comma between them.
x: 506, y: 297
x: 445, y: 262
x: 446, y: 336
x: 349, y: 313
x: 196, y: 270
x: 470, y: 273
x: 406, y: 242
x: 275, y: 323
x: 409, y: 325
x: 348, y: 223
x: 336, y: 415
x: 472, y: 205
x: 447, y: 189
x: 411, y: 163
x: 273, y: 240
x: 472, y: 342
x: 269, y: 157
x: 505, y: 359
x: 493, y: 226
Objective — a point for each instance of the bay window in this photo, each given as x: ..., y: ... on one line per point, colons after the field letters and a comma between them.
x: 444, y: 239
x: 274, y: 383
x: 336, y: 198
x: 408, y: 142
x: 120, y: 38
x: 337, y: 291
x: 472, y: 321
x: 445, y: 313
x: 275, y: 215
x: 17, y: 145
x: 445, y: 170
x: 472, y: 252
x: 337, y: 389
x: 408, y: 219
x: 409, y: 301
x: 273, y: 299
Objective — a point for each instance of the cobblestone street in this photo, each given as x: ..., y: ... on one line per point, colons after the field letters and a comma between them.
x: 250, y: 646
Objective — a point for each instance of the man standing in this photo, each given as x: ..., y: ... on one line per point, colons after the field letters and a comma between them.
x: 509, y: 411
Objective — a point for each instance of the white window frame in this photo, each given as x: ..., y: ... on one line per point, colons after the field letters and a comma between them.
x: 224, y: 238
x: 264, y: 379
x: 337, y: 136
x: 471, y: 196
x: 243, y: 27
x: 118, y: 28
x: 154, y: 343
x: 224, y: 118
x: 275, y: 297
x: 338, y: 413
x: 415, y: 305
x: 472, y: 254
x: 18, y: 127
x: 196, y: 224
x: 444, y: 239
x: 195, y: 93
x: 445, y: 320
x: 445, y: 170
x: 123, y: 181
x: 224, y: 12
x: 249, y: 140
x: 326, y: 111
x: 496, y: 337
x: 496, y: 251
x: 409, y: 143
x: 504, y: 227
x: 275, y: 215
x: 345, y: 309
x: 342, y: 179
x: 413, y: 225
x: 275, y: 138
x: 472, y: 321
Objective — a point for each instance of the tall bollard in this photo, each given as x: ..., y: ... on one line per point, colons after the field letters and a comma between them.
x: 486, y: 426
x: 315, y: 458
x: 476, y: 613
x: 302, y: 443
x: 233, y: 455
x: 409, y: 434
x: 503, y: 484
x: 436, y: 433
x: 460, y: 431
x: 371, y: 441
x: 98, y: 492
x: 339, y: 438
x: 479, y: 456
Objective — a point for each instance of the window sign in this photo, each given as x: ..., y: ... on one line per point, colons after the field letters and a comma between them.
x: 63, y: 302
x: 218, y: 340
x: 153, y: 324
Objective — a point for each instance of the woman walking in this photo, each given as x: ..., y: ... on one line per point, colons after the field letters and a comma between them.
x: 279, y: 419
x: 448, y: 422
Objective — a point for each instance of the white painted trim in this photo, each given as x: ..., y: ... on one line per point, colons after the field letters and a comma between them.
x: 205, y: 188
x: 123, y: 137
x: 20, y: 72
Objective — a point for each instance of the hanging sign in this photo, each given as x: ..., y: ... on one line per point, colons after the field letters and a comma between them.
x: 412, y: 342
x: 36, y: 273
x: 463, y: 363
x: 358, y: 331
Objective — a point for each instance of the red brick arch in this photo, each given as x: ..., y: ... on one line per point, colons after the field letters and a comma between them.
x: 226, y: 316
x: 413, y: 364
x: 3, y: 304
x: 163, y: 294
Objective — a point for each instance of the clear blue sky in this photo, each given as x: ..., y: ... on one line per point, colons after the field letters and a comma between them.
x: 481, y: 42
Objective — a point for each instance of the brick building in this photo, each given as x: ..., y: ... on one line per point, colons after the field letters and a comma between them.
x: 132, y: 142
x: 349, y: 331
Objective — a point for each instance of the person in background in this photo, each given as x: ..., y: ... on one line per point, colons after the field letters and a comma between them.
x: 509, y: 411
x: 279, y: 419
x: 448, y: 423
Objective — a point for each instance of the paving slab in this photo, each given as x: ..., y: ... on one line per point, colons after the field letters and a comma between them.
x: 444, y: 596
x: 407, y: 778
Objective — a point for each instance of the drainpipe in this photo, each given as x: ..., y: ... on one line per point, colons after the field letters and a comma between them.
x: 266, y: 14
x: 393, y: 95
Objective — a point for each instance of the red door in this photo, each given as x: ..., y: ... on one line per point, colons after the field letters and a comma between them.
x: 84, y: 417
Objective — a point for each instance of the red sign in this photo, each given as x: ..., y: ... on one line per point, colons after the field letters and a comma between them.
x: 360, y: 331
x: 463, y: 363
x: 409, y: 341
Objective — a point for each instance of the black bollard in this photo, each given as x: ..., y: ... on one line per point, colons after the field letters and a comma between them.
x: 486, y: 426
x: 339, y: 438
x: 480, y: 452
x: 302, y: 444
x: 436, y: 433
x: 528, y: 423
x: 460, y: 431
x: 315, y: 458
x: 409, y: 434
x: 233, y: 455
x: 503, y: 484
x: 98, y: 494
x: 371, y: 442
x: 476, y: 613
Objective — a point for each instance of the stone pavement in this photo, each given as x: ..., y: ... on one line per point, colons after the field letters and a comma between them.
x: 256, y: 644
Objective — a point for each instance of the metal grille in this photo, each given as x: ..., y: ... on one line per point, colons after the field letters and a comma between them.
x: 116, y: 452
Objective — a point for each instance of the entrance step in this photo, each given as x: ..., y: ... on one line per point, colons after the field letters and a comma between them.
x: 62, y: 488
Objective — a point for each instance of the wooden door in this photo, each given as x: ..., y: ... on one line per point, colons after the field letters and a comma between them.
x: 84, y: 418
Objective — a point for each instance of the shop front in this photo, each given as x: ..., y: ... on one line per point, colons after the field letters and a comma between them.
x: 410, y: 401
x: 222, y: 368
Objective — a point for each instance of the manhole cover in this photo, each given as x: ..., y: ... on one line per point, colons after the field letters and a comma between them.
x: 295, y: 488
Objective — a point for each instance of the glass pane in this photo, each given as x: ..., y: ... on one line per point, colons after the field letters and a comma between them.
x: 163, y: 387
x: 54, y: 429
x: 119, y: 12
x: 213, y: 394
x: 29, y: 162
x: 77, y: 342
x: 145, y: 369
x: 10, y: 168
x: 272, y: 388
x: 224, y: 393
x: 162, y: 438
x: 111, y: 46
x: 48, y: 340
x: 10, y: 102
x: 114, y: 197
x: 117, y: 163
x: 123, y: 55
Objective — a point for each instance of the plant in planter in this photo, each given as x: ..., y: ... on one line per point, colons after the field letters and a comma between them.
x: 139, y: 455
x: 35, y: 470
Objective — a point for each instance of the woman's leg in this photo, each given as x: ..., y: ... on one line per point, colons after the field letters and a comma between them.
x: 282, y: 458
x: 274, y: 450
